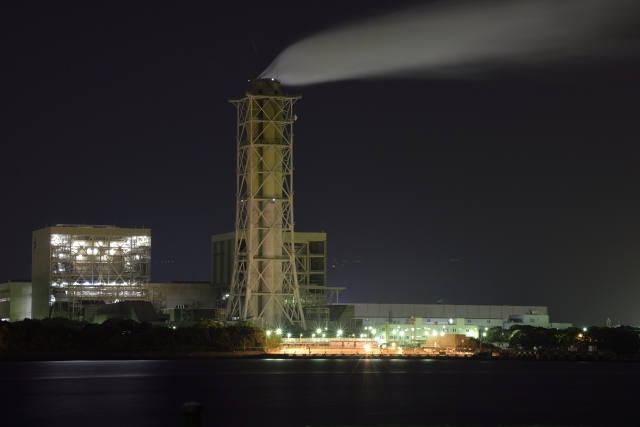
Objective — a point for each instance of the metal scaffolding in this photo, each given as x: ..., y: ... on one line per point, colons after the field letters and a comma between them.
x: 264, y: 286
x: 88, y: 268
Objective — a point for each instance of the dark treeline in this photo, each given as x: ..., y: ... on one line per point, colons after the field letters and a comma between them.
x: 621, y: 340
x: 58, y: 334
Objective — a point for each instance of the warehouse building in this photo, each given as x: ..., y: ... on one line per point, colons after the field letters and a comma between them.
x: 435, y: 324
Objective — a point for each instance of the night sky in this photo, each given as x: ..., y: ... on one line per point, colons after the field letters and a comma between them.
x: 517, y: 186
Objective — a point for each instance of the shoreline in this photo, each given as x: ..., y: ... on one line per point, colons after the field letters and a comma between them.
x: 184, y: 355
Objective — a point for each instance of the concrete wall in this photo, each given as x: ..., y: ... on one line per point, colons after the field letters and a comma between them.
x: 15, y: 301
x: 5, y: 301
x: 187, y: 293
x: 41, y: 273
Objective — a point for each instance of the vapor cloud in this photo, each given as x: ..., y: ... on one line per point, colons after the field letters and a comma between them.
x: 464, y: 37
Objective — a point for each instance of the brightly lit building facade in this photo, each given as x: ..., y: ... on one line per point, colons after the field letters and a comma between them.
x: 74, y: 266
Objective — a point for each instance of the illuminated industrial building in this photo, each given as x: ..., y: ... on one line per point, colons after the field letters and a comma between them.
x: 311, y: 270
x: 263, y: 271
x: 75, y: 266
x: 264, y: 283
x: 443, y: 325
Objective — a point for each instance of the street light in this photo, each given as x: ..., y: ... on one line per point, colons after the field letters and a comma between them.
x: 339, y: 332
x: 279, y: 331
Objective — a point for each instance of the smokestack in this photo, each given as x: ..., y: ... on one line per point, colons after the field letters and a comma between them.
x: 264, y: 286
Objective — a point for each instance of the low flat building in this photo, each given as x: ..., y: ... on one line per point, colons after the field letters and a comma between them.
x: 15, y: 300
x: 430, y: 324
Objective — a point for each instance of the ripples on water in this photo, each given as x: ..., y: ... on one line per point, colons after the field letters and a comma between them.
x: 277, y: 392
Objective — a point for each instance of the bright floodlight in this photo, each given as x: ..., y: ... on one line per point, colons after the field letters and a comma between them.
x: 450, y: 320
x: 584, y: 329
x: 268, y: 333
x: 367, y: 347
x: 401, y: 333
x: 318, y: 331
x: 279, y: 331
x: 289, y: 335
x: 373, y: 331
x: 339, y: 332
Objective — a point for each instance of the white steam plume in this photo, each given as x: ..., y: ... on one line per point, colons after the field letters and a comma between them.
x: 458, y: 37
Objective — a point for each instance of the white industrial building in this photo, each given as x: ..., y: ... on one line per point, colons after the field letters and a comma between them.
x: 431, y: 324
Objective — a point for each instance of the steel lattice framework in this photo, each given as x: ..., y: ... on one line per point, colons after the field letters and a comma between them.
x: 94, y: 269
x: 264, y: 286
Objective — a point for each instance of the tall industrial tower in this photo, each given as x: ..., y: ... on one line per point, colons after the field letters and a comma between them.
x: 264, y: 286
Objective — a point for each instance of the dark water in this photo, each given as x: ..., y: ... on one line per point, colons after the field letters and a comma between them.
x: 300, y: 392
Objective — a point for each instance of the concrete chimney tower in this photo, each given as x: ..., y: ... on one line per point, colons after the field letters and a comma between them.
x: 264, y: 286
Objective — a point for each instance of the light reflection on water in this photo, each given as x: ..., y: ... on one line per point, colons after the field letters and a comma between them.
x: 286, y: 392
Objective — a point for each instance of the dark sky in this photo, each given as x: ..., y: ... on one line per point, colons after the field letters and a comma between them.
x: 510, y: 188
